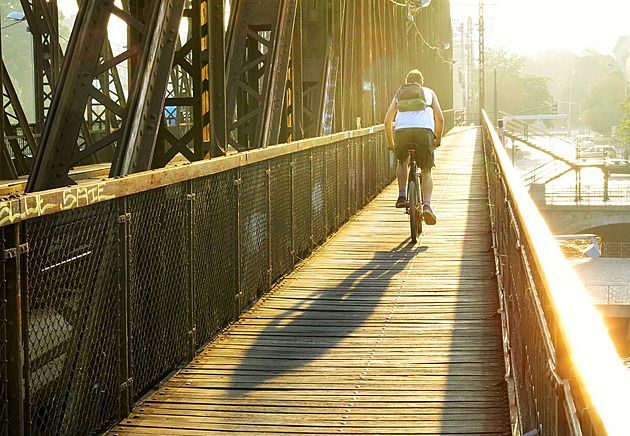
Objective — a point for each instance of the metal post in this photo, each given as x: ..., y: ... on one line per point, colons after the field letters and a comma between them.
x: 126, y: 391
x: 190, y: 210
x: 216, y: 36
x: 482, y: 66
x: 17, y: 329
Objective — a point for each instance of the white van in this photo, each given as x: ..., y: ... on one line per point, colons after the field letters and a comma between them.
x: 596, y: 152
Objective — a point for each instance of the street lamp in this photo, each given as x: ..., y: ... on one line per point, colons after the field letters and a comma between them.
x: 18, y: 17
x: 589, y: 82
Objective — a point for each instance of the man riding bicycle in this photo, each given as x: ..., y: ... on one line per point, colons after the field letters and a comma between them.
x: 415, y: 117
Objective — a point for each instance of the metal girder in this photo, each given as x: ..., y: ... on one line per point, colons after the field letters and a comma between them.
x: 57, y: 148
x: 258, y: 58
x: 7, y: 169
x: 41, y: 16
x: 14, y: 119
x: 146, y: 105
x: 185, y: 114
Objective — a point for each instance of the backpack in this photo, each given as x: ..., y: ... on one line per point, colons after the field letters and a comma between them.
x: 411, y: 98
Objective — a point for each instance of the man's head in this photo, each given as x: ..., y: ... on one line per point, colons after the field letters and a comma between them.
x: 414, y: 76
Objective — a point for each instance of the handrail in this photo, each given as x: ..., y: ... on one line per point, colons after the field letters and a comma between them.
x: 601, y: 382
x: 21, y: 207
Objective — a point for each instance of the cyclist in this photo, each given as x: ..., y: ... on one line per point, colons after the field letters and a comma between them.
x: 421, y: 127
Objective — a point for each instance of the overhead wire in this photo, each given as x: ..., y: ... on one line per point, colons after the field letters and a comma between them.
x: 411, y: 18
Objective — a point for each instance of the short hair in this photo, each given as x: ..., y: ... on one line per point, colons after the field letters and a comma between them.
x: 414, y: 76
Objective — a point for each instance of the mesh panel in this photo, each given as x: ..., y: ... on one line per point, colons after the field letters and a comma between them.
x: 302, y: 203
x: 215, y: 247
x: 360, y: 170
x: 280, y: 221
x: 158, y: 283
x: 331, y: 188
x: 372, y: 168
x: 73, y: 329
x: 253, y: 228
x: 343, y: 183
x: 3, y: 348
x: 352, y: 177
x: 318, y: 195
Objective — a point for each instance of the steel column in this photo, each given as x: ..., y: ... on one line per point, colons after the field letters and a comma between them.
x: 66, y: 112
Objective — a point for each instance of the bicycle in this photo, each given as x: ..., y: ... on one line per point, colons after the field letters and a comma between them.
x: 415, y: 198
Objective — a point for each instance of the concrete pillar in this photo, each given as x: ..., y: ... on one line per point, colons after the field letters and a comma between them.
x: 537, y: 192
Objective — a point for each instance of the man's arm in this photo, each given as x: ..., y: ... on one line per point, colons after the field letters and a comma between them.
x: 389, y: 124
x: 439, y: 120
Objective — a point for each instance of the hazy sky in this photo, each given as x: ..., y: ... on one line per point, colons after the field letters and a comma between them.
x: 531, y: 26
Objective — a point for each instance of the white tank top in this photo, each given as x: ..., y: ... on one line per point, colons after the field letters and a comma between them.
x: 417, y: 119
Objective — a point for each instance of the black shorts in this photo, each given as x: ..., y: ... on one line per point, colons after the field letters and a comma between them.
x: 424, y: 146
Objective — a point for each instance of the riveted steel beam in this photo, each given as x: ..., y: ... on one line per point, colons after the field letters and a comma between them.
x: 146, y: 106
x: 258, y: 57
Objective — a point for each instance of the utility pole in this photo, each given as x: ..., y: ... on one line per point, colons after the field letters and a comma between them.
x: 469, y: 92
x: 482, y: 71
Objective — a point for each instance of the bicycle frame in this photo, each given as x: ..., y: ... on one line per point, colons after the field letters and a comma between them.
x: 415, y: 198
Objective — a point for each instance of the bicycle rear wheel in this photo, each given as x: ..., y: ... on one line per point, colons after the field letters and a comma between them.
x: 415, y: 212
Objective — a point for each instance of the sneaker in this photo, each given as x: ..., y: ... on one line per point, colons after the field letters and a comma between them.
x: 401, y: 202
x: 428, y: 215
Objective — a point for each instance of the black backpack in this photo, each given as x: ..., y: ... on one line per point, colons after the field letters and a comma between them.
x: 411, y: 98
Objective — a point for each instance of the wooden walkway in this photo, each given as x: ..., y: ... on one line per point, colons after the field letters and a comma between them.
x: 370, y: 335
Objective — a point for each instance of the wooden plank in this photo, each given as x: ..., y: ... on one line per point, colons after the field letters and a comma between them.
x: 369, y: 335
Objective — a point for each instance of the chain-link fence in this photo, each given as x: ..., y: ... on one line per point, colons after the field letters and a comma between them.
x: 548, y: 397
x: 116, y: 295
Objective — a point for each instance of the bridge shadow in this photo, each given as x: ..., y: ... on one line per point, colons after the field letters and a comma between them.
x: 306, y: 331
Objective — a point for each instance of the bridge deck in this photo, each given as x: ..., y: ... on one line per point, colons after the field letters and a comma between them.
x: 369, y: 336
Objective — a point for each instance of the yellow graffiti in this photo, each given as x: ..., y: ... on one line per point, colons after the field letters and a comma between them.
x: 31, y: 206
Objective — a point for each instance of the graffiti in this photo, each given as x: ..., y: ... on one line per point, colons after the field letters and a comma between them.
x: 31, y: 206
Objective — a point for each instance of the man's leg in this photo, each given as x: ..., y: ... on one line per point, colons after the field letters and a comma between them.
x: 427, y: 186
x: 401, y: 175
x: 427, y: 190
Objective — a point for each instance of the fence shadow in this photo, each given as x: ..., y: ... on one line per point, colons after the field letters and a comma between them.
x: 305, y: 332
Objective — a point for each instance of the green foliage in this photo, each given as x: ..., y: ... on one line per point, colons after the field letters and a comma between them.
x: 623, y: 128
x: 603, y: 110
x: 17, y: 56
x: 517, y: 92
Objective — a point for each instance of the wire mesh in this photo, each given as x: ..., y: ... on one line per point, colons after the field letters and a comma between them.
x: 302, y: 204
x: 254, y: 222
x: 370, y: 168
x: 353, y: 183
x: 158, y: 283
x: 318, y: 195
x: 72, y: 298
x: 343, y: 182
x: 331, y: 189
x: 534, y: 356
x: 4, y: 417
x: 215, y: 250
x: 181, y: 260
x: 280, y: 217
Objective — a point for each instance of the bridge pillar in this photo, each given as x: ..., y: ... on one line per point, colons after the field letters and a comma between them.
x: 537, y: 192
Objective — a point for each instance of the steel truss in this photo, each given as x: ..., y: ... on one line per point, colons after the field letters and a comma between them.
x: 283, y: 70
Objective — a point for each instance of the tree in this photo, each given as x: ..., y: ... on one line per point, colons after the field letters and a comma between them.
x: 17, y: 53
x: 517, y: 91
x: 603, y: 109
x: 17, y: 56
x: 623, y: 128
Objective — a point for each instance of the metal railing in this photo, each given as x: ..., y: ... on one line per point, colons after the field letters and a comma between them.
x: 108, y: 286
x: 566, y: 376
x: 610, y: 294
x: 587, y: 194
x: 615, y: 249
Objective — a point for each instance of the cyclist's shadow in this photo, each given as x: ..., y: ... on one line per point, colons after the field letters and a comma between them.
x: 309, y: 329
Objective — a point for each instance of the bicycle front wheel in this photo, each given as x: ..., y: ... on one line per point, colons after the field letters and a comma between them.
x: 415, y: 214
